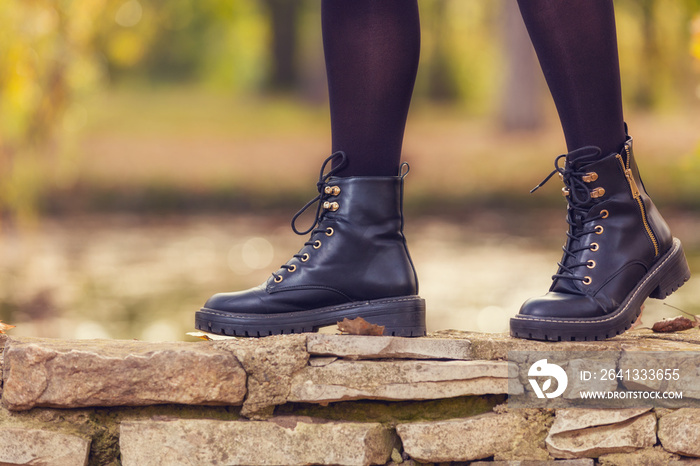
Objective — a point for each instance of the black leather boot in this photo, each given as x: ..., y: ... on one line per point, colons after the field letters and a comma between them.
x: 619, y: 252
x: 355, y: 264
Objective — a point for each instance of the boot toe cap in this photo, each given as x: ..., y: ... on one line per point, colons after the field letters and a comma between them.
x: 562, y: 306
x: 240, y: 302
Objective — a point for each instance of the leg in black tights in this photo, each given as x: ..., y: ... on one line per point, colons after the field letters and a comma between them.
x: 371, y: 49
x: 576, y: 44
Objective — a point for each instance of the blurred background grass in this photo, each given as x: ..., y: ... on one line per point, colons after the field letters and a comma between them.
x: 151, y: 153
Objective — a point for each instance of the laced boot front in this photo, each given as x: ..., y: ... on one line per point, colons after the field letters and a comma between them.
x: 619, y: 251
x: 354, y: 264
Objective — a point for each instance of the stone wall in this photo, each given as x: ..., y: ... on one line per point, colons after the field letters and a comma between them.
x: 316, y: 399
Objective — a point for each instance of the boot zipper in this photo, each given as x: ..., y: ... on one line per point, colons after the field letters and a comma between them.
x: 637, y: 197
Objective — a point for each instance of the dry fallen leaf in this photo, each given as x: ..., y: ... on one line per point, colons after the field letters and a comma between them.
x: 4, y: 327
x: 210, y: 336
x: 678, y: 323
x: 359, y: 326
x: 674, y: 325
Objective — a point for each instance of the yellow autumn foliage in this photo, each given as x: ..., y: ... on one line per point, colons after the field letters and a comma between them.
x: 695, y: 38
x: 47, y: 61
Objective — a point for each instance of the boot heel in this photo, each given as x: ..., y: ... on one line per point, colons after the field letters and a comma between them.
x: 401, y: 317
x: 673, y: 274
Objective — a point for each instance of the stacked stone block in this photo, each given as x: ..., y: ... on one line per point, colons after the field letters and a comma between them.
x: 315, y: 399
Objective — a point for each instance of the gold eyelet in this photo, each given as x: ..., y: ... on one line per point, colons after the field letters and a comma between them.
x: 590, y: 177
x: 292, y: 268
x: 597, y: 192
x: 599, y: 229
x: 332, y: 206
x: 604, y: 213
x: 305, y: 257
x: 329, y: 231
x: 594, y: 247
x: 587, y: 280
x: 564, y: 192
x: 317, y: 244
x: 590, y: 264
x: 278, y: 278
x: 332, y: 190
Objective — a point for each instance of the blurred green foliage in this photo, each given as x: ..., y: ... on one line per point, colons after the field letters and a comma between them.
x: 185, y: 40
x: 55, y: 53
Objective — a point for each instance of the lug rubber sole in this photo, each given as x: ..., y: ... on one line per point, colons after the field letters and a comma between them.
x: 402, y: 316
x: 669, y: 273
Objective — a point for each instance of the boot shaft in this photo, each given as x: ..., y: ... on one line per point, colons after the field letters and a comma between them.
x: 612, y: 220
x: 358, y: 248
x: 614, y: 183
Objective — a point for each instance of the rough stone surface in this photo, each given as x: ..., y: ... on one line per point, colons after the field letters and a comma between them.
x: 80, y: 373
x: 287, y: 441
x: 370, y: 347
x: 529, y: 438
x: 270, y: 363
x: 41, y: 447
x: 576, y: 462
x: 595, y: 432
x: 465, y: 439
x: 654, y: 456
x: 399, y: 380
x: 679, y: 432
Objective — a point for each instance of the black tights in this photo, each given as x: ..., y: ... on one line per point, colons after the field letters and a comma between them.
x: 372, y: 50
x: 576, y: 44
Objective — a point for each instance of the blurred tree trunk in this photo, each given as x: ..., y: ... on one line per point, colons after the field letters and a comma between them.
x: 521, y: 108
x: 284, y: 16
x: 649, y: 74
x: 441, y: 81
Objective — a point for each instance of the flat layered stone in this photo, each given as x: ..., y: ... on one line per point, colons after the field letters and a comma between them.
x: 81, y: 373
x: 645, y: 334
x: 399, y: 380
x: 497, y: 345
x: 655, y: 370
x: 287, y: 441
x: 493, y: 346
x: 594, y: 432
x: 574, y: 419
x: 20, y: 445
x: 679, y: 432
x: 645, y: 457
x: 372, y: 347
x: 595, y: 365
x: 462, y: 439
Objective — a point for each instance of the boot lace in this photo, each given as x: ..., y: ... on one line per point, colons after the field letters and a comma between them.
x: 580, y: 199
x: 322, y: 207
